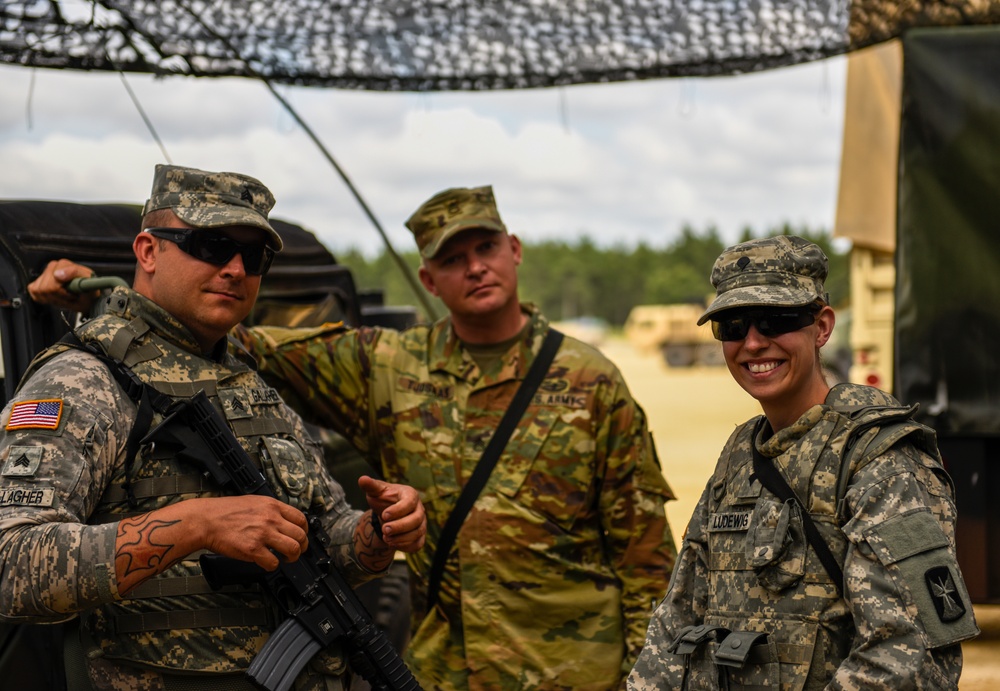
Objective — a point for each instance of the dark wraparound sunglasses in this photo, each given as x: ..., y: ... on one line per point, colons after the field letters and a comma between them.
x: 768, y: 322
x: 217, y: 249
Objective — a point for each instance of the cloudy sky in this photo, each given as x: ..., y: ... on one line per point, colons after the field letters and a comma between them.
x: 620, y: 163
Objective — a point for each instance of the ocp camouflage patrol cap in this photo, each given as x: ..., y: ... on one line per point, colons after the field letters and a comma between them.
x: 448, y: 213
x: 212, y: 200
x: 782, y: 271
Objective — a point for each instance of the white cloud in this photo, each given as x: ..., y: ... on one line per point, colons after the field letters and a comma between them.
x: 619, y: 162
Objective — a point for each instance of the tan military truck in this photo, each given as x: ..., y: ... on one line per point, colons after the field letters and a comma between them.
x: 673, y: 331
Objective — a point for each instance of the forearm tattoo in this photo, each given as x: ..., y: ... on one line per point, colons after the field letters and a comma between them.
x: 138, y: 553
x: 368, y: 545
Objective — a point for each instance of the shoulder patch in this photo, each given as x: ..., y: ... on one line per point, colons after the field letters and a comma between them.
x: 44, y: 414
x: 22, y: 461
x: 944, y: 594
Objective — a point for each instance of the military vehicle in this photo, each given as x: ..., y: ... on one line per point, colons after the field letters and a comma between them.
x: 918, y: 199
x: 305, y: 286
x: 673, y: 331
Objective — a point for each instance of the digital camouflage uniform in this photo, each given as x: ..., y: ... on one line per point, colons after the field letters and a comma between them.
x: 62, y: 495
x: 746, y: 566
x: 559, y: 563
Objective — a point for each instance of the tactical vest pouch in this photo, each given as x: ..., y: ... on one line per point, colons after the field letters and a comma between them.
x: 693, y: 644
x: 748, y: 660
x: 776, y: 544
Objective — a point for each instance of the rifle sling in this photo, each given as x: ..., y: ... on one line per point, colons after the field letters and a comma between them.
x: 772, y: 479
x: 484, y: 468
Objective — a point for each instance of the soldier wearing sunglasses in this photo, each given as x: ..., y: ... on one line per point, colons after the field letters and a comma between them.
x: 822, y: 552
x: 95, y: 523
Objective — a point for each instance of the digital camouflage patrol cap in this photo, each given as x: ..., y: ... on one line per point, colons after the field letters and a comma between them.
x: 448, y: 213
x: 782, y: 271
x: 212, y: 200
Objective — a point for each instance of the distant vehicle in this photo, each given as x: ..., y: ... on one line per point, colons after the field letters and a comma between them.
x: 673, y: 330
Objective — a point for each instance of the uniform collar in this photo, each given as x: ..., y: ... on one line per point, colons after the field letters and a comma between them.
x: 448, y: 354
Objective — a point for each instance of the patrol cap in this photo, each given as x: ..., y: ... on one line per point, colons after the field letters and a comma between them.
x: 212, y: 200
x: 448, y: 213
x: 781, y: 271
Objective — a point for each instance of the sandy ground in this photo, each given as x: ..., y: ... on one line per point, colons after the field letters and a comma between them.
x: 691, y: 414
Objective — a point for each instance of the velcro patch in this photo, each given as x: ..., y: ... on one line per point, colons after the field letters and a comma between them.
x: 947, y: 600
x: 729, y: 521
x: 424, y: 388
x: 562, y: 400
x: 236, y: 404
x: 19, y: 496
x: 22, y: 461
x: 264, y: 396
x: 36, y: 414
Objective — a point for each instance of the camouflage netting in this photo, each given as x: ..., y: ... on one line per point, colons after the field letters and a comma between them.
x: 425, y: 45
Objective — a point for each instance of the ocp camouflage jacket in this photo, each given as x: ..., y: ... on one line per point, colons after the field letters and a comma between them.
x: 554, y: 572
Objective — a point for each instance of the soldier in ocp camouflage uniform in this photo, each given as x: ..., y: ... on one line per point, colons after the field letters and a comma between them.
x: 88, y: 529
x: 752, y: 604
x: 558, y: 564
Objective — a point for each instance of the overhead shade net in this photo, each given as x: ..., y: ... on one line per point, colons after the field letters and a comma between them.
x: 429, y: 45
x: 948, y: 244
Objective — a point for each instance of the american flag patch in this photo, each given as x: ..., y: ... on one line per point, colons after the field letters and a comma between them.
x: 35, y: 415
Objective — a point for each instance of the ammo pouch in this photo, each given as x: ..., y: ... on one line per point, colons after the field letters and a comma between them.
x: 717, y: 658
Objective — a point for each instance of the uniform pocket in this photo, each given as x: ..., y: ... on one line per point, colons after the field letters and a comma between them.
x: 776, y: 544
x: 917, y: 554
x: 549, y: 466
x: 284, y: 462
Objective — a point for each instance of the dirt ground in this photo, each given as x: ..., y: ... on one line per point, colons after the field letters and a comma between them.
x: 691, y: 414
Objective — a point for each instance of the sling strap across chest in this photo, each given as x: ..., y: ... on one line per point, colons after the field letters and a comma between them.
x: 484, y: 468
x: 772, y: 479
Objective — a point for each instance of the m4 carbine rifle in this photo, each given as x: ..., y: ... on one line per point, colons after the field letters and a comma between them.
x: 322, y: 607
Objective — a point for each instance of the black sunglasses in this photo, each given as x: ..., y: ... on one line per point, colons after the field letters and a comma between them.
x: 217, y: 249
x: 770, y: 322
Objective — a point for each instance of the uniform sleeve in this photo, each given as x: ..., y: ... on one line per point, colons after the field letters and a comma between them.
x: 902, y: 581
x: 632, y: 499
x: 57, y: 458
x: 322, y: 373
x: 684, y: 605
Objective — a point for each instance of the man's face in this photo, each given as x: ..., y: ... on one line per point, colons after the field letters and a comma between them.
x: 208, y: 299
x: 782, y: 371
x: 475, y: 273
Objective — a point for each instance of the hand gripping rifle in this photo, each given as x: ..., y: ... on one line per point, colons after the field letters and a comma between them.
x: 322, y: 607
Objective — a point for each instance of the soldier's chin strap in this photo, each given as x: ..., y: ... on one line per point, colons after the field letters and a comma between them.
x: 148, y: 400
x: 772, y: 480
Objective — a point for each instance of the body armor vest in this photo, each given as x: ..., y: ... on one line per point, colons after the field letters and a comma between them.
x: 222, y: 630
x: 774, y: 618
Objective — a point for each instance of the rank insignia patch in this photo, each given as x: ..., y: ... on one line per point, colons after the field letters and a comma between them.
x: 22, y: 461
x: 35, y: 415
x: 947, y: 600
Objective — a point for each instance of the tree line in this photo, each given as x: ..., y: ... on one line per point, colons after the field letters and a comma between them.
x: 576, y: 279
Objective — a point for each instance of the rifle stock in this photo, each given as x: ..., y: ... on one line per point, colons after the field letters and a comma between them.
x: 322, y: 607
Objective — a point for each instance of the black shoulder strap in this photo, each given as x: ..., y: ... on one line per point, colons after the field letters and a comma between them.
x: 145, y: 397
x: 484, y: 468
x: 772, y: 479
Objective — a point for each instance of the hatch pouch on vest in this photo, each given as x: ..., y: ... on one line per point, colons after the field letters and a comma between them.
x: 773, y: 481
x: 148, y: 400
x: 539, y: 368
